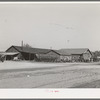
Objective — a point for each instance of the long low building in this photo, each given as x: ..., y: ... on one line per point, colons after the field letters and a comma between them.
x: 38, y: 54
x: 78, y: 54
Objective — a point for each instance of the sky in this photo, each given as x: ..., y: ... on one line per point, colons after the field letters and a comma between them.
x: 50, y: 25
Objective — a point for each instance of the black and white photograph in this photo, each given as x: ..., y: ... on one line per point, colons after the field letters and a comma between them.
x: 49, y: 45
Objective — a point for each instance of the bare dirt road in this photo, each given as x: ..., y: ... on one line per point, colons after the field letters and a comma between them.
x: 15, y: 74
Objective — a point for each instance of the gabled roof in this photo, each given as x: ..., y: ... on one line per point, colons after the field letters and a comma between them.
x: 64, y: 53
x: 74, y: 51
x: 44, y: 51
x: 30, y: 50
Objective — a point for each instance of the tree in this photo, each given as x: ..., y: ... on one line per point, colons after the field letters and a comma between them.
x: 27, y: 46
x: 96, y: 54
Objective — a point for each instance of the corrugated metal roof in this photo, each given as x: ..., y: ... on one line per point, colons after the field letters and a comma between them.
x: 73, y: 51
x: 31, y: 50
x: 43, y: 51
x: 63, y: 52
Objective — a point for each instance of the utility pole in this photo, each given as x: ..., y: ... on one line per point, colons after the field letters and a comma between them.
x: 22, y: 44
x: 68, y: 43
x: 22, y: 48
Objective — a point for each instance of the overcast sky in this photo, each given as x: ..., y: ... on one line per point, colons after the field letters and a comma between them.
x: 50, y: 25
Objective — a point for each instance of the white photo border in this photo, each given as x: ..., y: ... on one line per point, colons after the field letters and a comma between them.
x: 50, y: 93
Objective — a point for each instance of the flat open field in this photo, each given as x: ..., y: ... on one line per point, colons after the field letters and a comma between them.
x: 24, y: 74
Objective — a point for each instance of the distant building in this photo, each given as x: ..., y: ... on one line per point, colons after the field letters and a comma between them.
x: 76, y: 55
x: 37, y: 54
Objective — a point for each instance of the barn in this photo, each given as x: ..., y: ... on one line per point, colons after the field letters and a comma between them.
x: 37, y: 54
x: 78, y: 54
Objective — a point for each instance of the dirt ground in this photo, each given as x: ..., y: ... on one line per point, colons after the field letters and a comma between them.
x: 24, y: 74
